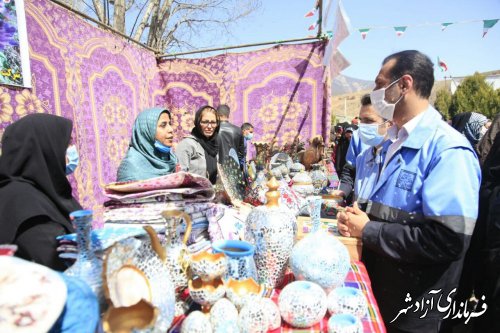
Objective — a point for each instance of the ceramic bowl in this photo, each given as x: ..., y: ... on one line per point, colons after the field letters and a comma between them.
x: 222, y: 311
x: 208, y: 266
x: 302, y: 304
x: 196, y: 322
x: 206, y: 293
x: 238, y: 291
x: 344, y: 323
x: 125, y: 319
x: 347, y: 300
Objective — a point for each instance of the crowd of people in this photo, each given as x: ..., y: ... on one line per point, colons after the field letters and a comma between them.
x: 425, y: 192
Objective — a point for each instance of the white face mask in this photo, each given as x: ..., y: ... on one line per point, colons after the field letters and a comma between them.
x: 383, y: 109
x: 369, y: 134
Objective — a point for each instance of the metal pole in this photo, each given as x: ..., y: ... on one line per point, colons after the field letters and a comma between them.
x: 320, y: 18
x: 237, y: 47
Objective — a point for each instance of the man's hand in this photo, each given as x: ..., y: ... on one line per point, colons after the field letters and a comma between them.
x: 356, y: 220
x: 352, y: 222
x: 342, y: 224
x: 338, y: 193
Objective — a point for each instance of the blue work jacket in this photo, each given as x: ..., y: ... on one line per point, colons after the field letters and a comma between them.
x: 422, y: 209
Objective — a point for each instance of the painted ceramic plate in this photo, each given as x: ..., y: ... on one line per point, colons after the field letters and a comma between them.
x: 32, y: 296
x: 174, y: 180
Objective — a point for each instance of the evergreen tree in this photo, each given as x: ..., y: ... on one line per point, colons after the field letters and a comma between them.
x: 443, y: 102
x: 475, y: 94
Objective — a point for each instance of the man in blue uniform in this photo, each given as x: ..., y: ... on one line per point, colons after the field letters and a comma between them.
x: 422, y: 209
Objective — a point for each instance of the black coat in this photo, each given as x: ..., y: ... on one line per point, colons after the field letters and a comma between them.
x: 230, y: 136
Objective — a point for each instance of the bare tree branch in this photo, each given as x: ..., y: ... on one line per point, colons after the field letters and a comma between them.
x: 119, y: 15
x: 99, y: 9
x: 173, y: 24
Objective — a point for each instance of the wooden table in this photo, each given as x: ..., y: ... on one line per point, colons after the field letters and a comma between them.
x: 354, y: 245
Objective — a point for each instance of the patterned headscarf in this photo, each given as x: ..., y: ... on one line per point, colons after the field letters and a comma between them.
x: 472, y: 130
x: 142, y: 160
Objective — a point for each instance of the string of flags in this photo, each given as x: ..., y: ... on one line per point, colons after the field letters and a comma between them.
x: 400, y: 30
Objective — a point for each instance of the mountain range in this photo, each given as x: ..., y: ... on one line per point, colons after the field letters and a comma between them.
x: 344, y: 85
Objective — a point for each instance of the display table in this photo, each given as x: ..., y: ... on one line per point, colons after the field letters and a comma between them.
x: 357, y: 278
x: 354, y: 245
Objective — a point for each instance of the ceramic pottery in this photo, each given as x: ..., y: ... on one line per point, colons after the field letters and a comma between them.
x: 253, y: 319
x: 347, y: 300
x: 239, y: 291
x: 177, y: 255
x: 296, y: 167
x: 344, y: 323
x: 196, y: 322
x: 256, y: 194
x: 228, y: 327
x: 272, y: 228
x: 148, y: 257
x: 273, y: 313
x: 87, y: 266
x: 302, y: 184
x: 319, y: 178
x: 223, y: 310
x: 302, y: 304
x: 320, y: 257
x: 206, y: 293
x: 240, y: 259
x: 125, y: 319
x: 208, y: 266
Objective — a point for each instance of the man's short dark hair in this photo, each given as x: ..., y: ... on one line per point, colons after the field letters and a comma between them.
x: 366, y: 100
x: 416, y: 64
x: 223, y: 110
x: 246, y: 126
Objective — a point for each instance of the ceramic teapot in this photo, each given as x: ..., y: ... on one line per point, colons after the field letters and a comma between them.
x: 177, y: 260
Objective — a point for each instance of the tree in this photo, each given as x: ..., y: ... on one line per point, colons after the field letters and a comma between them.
x: 443, y: 102
x: 475, y: 94
x: 168, y: 24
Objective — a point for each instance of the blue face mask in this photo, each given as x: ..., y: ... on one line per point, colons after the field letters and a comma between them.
x: 72, y: 158
x: 249, y: 136
x: 161, y: 147
x: 368, y: 133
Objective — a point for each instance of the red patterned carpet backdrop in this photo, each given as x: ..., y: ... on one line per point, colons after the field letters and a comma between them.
x: 86, y: 74
x: 258, y: 87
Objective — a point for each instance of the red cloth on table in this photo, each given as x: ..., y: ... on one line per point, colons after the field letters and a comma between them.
x: 357, y: 278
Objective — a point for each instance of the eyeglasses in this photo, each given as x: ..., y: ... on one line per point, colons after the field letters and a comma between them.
x: 206, y: 123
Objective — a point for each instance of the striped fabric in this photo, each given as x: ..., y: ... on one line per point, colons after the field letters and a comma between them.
x: 357, y: 278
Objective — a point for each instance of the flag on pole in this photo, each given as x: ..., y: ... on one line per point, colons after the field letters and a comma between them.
x: 487, y: 25
x: 442, y: 65
x: 400, y: 30
x: 445, y: 25
x: 364, y: 32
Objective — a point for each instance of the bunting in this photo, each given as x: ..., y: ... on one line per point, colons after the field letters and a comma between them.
x: 487, y: 25
x: 313, y: 26
x: 400, y: 30
x: 363, y: 32
x: 445, y: 25
x: 310, y: 13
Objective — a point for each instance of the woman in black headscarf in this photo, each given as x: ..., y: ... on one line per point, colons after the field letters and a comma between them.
x: 35, y: 195
x: 197, y: 153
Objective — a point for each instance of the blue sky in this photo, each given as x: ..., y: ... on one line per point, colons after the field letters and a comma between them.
x: 461, y: 46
